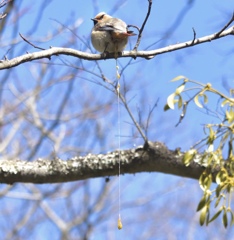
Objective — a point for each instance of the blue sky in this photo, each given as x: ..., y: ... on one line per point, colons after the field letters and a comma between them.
x: 173, y: 199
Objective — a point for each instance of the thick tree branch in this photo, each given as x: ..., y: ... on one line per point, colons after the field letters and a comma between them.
x: 153, y: 157
x: 6, y: 64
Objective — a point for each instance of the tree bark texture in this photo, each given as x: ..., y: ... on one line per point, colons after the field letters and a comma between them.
x: 152, y: 157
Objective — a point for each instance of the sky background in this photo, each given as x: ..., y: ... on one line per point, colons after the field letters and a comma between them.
x: 154, y: 205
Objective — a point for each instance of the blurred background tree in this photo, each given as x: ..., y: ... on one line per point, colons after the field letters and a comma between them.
x: 62, y: 108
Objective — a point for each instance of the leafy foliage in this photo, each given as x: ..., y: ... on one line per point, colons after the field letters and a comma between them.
x: 217, y: 156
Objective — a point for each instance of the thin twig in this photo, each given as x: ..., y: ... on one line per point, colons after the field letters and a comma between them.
x: 182, y: 115
x: 132, y: 117
x: 149, y: 116
x: 3, y: 3
x: 226, y: 26
x: 30, y: 42
x: 2, y: 15
x: 134, y: 26
x: 194, y: 36
x: 143, y: 25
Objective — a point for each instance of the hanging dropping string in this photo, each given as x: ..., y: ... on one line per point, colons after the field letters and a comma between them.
x: 119, y: 142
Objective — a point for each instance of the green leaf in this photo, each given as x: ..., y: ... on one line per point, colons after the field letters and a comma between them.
x: 212, y: 136
x: 221, y: 176
x: 217, y: 192
x: 180, y: 77
x: 229, y: 212
x: 219, y: 197
x: 166, y: 107
x: 232, y: 217
x: 216, y: 215
x: 208, y: 181
x: 202, y: 203
x: 171, y: 101
x: 205, y: 181
x: 188, y: 156
x: 180, y: 89
x: 211, y: 157
x: 230, y: 116
x: 225, y: 219
x: 196, y: 100
x: 207, y: 217
x: 227, y: 101
x: 230, y: 149
x: 203, y: 214
x: 210, y: 149
x: 205, y: 98
x: 180, y: 102
x: 229, y: 187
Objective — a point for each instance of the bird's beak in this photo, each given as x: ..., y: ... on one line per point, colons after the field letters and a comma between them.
x: 94, y: 21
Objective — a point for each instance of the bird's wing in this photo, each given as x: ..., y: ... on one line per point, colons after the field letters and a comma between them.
x: 110, y: 27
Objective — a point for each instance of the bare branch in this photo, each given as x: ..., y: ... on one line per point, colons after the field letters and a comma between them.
x: 30, y: 42
x: 4, y: 2
x: 132, y: 117
x: 226, y: 26
x: 10, y: 5
x: 6, y: 64
x: 143, y: 25
x: 2, y: 15
x: 194, y: 35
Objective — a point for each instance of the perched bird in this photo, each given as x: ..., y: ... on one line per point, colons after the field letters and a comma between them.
x: 109, y: 34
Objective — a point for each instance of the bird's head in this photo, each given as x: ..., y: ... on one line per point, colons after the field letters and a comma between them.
x: 100, y: 17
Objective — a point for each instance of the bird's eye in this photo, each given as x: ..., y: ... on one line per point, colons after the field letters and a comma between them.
x: 101, y: 17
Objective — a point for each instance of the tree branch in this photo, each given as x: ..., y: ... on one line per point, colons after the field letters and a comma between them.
x: 6, y: 64
x: 153, y: 157
x: 226, y: 26
x: 143, y: 25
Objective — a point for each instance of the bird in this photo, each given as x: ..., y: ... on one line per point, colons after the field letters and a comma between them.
x: 109, y: 34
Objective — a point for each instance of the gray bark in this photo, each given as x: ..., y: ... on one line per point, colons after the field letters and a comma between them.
x: 152, y: 157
